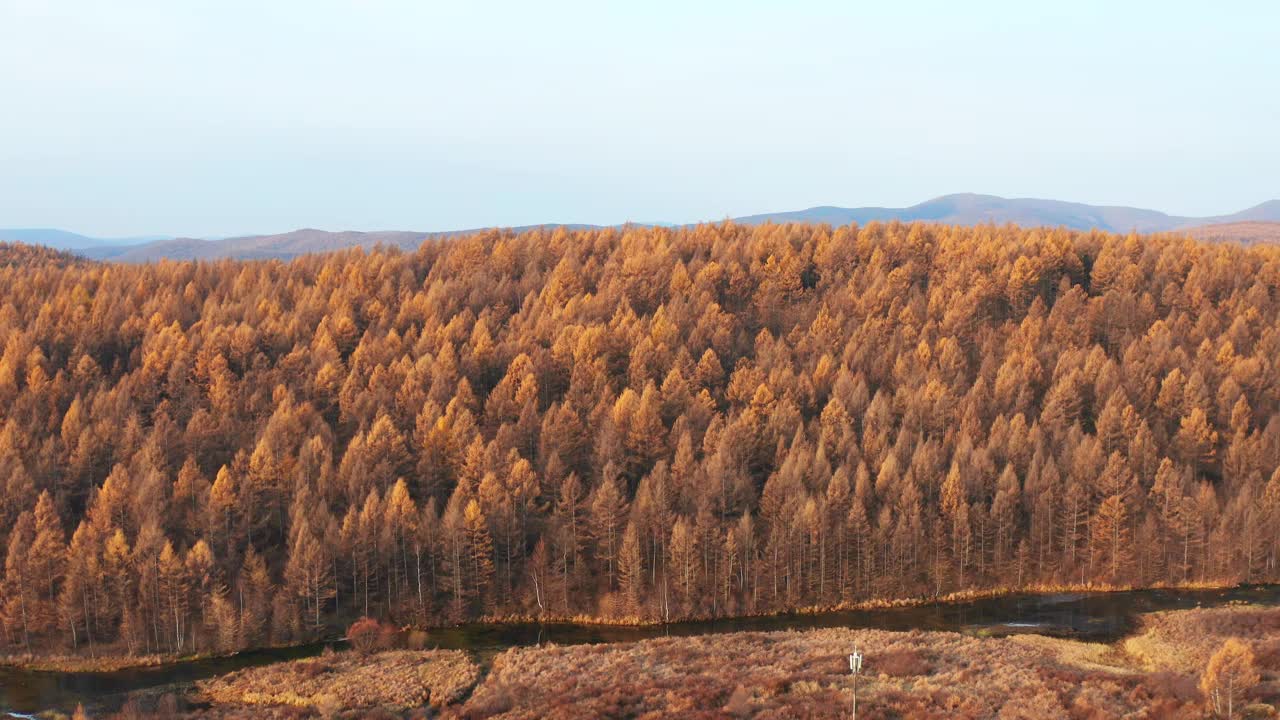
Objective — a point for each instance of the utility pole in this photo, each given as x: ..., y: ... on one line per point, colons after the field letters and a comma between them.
x: 855, y: 667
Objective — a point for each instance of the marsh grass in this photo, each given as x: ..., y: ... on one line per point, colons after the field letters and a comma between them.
x: 906, y: 675
x: 396, y: 681
x: 1184, y: 640
x: 790, y: 674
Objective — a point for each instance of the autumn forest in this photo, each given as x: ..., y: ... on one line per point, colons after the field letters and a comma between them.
x: 632, y: 424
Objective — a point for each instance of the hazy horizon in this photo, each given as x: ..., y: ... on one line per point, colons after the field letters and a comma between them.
x: 231, y: 118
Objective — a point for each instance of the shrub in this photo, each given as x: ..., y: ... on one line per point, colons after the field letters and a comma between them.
x: 388, y: 637
x: 328, y: 705
x: 1267, y: 654
x: 739, y: 704
x: 900, y: 663
x: 416, y: 639
x: 366, y: 635
x: 313, y: 669
x: 494, y: 700
x: 1173, y: 685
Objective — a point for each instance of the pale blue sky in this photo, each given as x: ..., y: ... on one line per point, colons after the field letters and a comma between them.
x: 231, y: 116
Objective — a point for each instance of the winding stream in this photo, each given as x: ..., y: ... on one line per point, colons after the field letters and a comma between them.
x: 1099, y: 617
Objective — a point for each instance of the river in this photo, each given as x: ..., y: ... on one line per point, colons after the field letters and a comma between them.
x: 1101, y: 617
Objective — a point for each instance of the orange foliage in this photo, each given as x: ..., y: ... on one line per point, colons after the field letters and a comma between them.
x: 689, y: 422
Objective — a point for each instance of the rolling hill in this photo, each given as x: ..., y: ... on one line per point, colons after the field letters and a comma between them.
x: 281, y: 245
x: 970, y: 209
x: 64, y: 240
x: 960, y: 209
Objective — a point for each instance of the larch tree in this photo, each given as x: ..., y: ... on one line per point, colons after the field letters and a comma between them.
x: 1230, y: 674
x: 81, y: 579
x: 631, y: 572
x: 479, y: 551
x: 21, y: 605
x: 684, y: 548
x: 608, y: 517
x: 787, y: 416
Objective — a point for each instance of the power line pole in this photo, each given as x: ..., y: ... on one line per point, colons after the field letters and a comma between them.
x: 855, y: 667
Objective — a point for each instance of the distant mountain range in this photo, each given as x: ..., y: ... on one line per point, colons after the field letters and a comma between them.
x: 969, y: 209
x: 1249, y: 225
x: 282, y: 245
x: 63, y: 240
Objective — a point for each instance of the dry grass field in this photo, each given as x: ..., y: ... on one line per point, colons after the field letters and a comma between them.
x: 805, y: 675
x: 1155, y: 673
x: 393, y: 683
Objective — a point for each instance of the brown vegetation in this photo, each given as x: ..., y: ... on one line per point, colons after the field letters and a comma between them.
x: 395, y: 681
x: 805, y: 674
x: 367, y: 635
x: 915, y: 674
x: 643, y: 423
x: 1185, y: 640
x: 79, y: 663
x: 1247, y: 233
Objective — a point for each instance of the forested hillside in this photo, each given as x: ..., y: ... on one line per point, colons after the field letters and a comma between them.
x: 20, y: 254
x: 650, y: 423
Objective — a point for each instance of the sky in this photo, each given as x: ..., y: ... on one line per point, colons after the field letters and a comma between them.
x: 226, y: 117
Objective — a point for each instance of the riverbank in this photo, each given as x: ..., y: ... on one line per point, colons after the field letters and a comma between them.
x: 106, y: 662
x: 101, y: 664
x: 1099, y: 617
x: 112, y: 663
x: 1153, y: 673
x: 961, y: 596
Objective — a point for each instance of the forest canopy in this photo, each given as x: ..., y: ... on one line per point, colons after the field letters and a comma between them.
x: 631, y: 423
